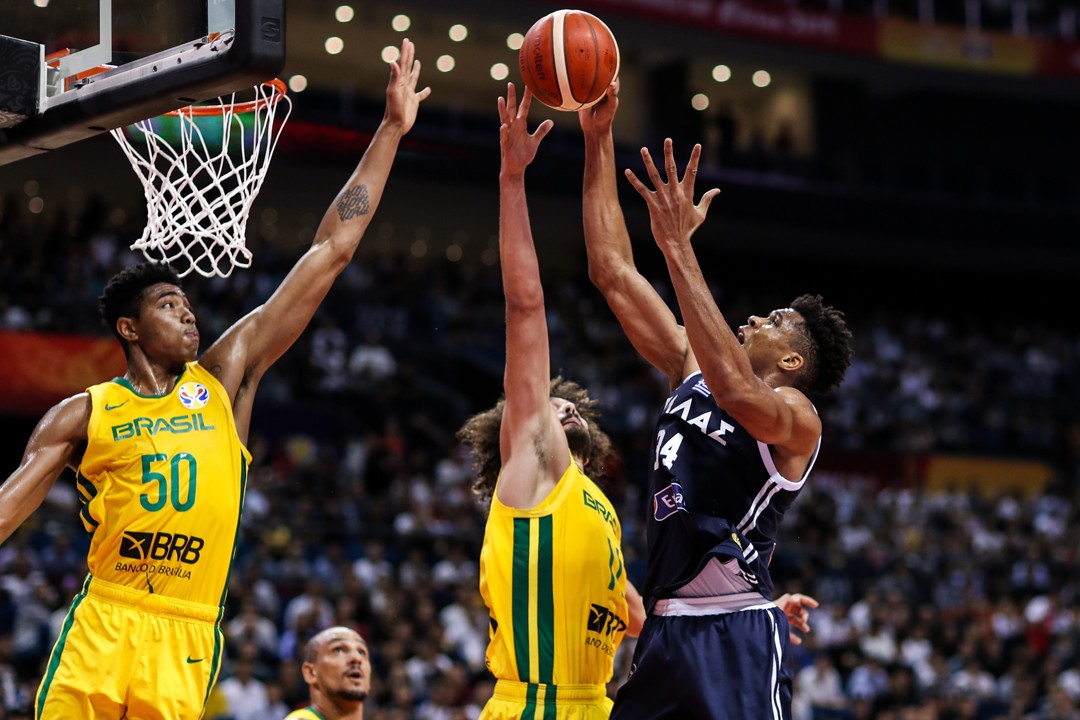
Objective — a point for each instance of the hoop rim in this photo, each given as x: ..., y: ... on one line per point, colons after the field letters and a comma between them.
x: 278, y: 93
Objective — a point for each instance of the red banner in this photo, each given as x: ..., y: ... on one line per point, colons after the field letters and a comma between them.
x: 890, y: 38
x: 41, y: 369
x: 781, y: 23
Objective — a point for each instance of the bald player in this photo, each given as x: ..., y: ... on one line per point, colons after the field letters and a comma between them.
x: 337, y: 669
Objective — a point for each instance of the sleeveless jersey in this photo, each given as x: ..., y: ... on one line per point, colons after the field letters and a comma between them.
x: 162, y: 486
x: 555, y: 586
x: 716, y: 493
x: 308, y: 713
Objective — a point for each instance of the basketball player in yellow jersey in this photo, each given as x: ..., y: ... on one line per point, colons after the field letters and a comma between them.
x: 337, y: 669
x: 161, y: 464
x: 551, y: 568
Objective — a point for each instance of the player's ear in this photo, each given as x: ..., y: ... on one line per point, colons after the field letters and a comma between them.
x: 790, y: 361
x: 125, y: 327
x: 308, y: 671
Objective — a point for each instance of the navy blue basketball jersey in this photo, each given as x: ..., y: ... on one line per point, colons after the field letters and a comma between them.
x: 716, y: 493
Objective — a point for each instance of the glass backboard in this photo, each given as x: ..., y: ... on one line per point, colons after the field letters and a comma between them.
x: 70, y: 69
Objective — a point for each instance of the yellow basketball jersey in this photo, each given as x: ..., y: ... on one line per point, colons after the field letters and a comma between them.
x: 162, y: 486
x: 555, y: 586
x: 308, y: 713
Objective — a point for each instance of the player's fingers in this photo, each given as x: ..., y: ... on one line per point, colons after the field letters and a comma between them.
x: 707, y: 199
x: 637, y: 184
x: 423, y: 94
x: 526, y: 101
x: 650, y: 168
x: 511, y: 99
x: 543, y: 130
x: 692, y: 167
x: 669, y: 161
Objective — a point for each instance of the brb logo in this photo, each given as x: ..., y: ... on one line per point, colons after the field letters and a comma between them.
x: 604, y: 622
x: 668, y: 501
x: 186, y: 549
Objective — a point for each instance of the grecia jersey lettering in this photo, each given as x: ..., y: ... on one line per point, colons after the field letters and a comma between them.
x: 162, y: 487
x: 716, y: 493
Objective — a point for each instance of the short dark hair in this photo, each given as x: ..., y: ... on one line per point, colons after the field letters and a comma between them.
x: 480, y: 434
x: 828, y: 352
x: 124, y: 292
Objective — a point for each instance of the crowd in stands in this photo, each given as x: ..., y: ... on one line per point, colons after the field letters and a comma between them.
x: 951, y: 605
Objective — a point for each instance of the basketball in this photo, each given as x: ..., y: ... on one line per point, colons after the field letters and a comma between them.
x: 568, y: 59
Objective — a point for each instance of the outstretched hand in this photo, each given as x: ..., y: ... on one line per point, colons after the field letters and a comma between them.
x: 796, y: 607
x: 599, y: 116
x: 402, y: 99
x: 517, y: 145
x: 672, y: 211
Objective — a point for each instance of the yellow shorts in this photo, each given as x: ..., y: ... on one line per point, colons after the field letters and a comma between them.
x: 126, y: 653
x: 531, y: 701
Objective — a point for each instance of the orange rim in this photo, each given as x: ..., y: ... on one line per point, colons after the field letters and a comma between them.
x: 279, y: 90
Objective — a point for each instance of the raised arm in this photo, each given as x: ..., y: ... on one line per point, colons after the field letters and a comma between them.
x: 533, y: 447
x: 645, y: 318
x: 55, y: 444
x: 250, y: 346
x: 783, y: 416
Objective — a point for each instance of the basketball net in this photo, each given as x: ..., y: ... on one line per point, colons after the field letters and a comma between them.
x: 198, y: 190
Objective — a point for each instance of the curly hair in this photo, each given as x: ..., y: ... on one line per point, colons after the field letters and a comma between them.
x: 480, y: 434
x: 124, y: 292
x: 827, y: 350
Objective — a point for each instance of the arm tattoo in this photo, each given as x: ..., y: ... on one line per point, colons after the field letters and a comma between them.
x: 353, y: 202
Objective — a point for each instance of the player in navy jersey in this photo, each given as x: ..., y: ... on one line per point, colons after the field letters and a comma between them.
x: 734, y: 445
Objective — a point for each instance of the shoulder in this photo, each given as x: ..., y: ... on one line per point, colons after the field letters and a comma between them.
x: 303, y: 714
x: 71, y: 415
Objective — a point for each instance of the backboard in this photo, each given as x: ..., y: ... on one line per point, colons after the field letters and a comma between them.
x: 71, y: 69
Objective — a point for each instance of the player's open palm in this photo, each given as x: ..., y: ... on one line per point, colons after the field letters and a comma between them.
x: 402, y: 99
x: 517, y: 145
x: 672, y: 211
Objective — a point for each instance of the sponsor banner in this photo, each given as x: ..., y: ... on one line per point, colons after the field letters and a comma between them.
x: 41, y: 369
x: 876, y: 470
x: 894, y: 39
x: 776, y: 22
x: 933, y: 473
x: 1059, y: 59
x: 992, y: 476
x: 958, y: 48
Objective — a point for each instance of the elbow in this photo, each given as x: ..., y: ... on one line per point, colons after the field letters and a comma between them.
x: 338, y: 250
x: 604, y: 274
x: 520, y: 302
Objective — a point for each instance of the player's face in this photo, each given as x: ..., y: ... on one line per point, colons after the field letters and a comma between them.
x: 166, y: 324
x: 343, y: 668
x: 576, y: 427
x: 567, y: 414
x: 764, y: 338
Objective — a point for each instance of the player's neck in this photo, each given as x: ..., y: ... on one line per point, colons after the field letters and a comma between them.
x: 150, y: 379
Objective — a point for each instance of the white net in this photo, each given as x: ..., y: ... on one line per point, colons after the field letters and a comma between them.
x: 201, y: 168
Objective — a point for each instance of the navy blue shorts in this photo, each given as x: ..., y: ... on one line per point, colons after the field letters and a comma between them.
x: 730, y: 666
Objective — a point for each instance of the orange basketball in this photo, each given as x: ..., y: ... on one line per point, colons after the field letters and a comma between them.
x: 568, y: 59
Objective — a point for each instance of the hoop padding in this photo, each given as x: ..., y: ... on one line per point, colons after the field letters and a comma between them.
x: 199, y: 191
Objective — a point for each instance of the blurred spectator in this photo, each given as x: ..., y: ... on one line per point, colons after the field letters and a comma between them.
x: 818, y: 690
x: 244, y: 693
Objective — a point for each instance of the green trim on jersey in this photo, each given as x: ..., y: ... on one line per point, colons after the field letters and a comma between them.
x: 524, y: 588
x: 58, y: 650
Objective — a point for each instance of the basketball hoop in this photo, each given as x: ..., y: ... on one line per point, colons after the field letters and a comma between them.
x: 199, y: 189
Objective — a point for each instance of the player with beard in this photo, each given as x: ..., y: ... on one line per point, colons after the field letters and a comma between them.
x: 551, y: 568
x: 337, y: 669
